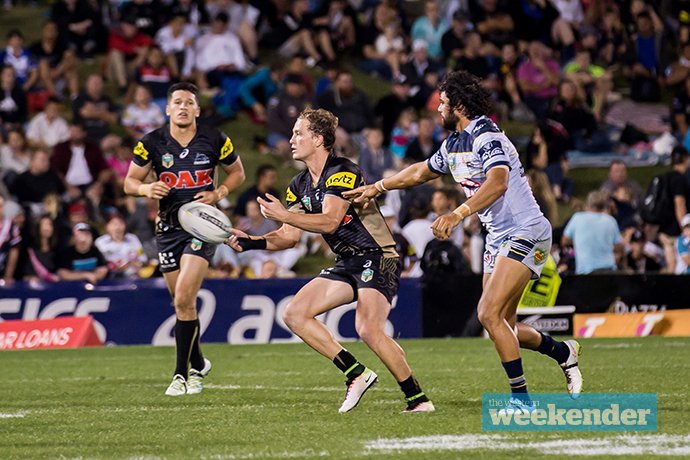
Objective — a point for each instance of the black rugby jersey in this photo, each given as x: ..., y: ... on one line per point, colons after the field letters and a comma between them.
x: 362, y: 230
x: 186, y: 170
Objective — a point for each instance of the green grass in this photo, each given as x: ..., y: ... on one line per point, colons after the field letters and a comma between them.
x: 281, y: 401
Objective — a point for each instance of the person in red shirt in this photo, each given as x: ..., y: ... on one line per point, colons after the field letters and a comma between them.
x: 127, y: 50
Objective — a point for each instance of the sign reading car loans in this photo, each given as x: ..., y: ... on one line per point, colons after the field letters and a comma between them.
x: 559, y: 412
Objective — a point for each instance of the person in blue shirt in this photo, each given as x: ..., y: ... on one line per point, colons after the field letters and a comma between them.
x: 20, y: 59
x: 683, y: 248
x: 431, y: 27
x: 257, y: 89
x: 595, y: 236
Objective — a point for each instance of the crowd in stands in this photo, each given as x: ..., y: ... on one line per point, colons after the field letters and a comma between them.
x: 558, y: 65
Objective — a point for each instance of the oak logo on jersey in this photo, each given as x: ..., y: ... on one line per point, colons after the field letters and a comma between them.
x: 187, y: 179
x: 167, y: 160
x: 141, y: 151
x: 289, y: 196
x: 342, y: 179
x: 306, y: 202
x: 226, y: 149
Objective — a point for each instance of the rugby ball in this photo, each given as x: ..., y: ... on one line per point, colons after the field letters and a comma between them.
x: 205, y: 222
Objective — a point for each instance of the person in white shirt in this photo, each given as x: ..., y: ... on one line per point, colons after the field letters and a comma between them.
x: 15, y: 156
x: 418, y: 232
x: 123, y: 251
x: 48, y: 128
x: 177, y: 42
x: 243, y: 22
x: 142, y: 117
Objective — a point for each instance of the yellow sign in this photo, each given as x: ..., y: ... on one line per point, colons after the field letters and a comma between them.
x: 342, y: 179
x: 227, y: 148
x: 290, y: 196
x: 141, y: 151
x: 542, y: 292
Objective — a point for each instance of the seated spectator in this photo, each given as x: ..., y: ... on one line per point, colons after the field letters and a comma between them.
x: 331, y: 71
x: 683, y: 248
x: 423, y: 145
x: 123, y: 251
x: 298, y: 65
x: 142, y: 116
x: 613, y: 39
x: 21, y: 60
x: 48, y: 128
x: 176, y: 41
x: 57, y: 65
x: 475, y: 56
x: 147, y: 14
x: 430, y: 28
x: 404, y: 131
x: 283, y: 110
x: 543, y: 193
x: 244, y: 18
x: 593, y: 83
x: 82, y: 260
x: 334, y: 28
x: 547, y: 151
x: 9, y: 246
x: 418, y: 231
x: 618, y: 177
x: 645, y: 61
x: 34, y: 184
x: 389, y: 107
x: 679, y: 71
x: 374, y: 61
x: 390, y: 45
x: 452, y: 42
x: 80, y: 26
x: 416, y: 68
x: 155, y: 75
x: 348, y: 103
x: 292, y: 35
x: 623, y: 208
x: 94, y: 110
x: 120, y: 161
x: 408, y: 258
x: 127, y: 50
x: 539, y: 20
x: 41, y: 265
x: 80, y: 163
x: 680, y: 111
x: 538, y: 79
x: 218, y: 54
x: 14, y: 156
x: 257, y: 89
x: 375, y: 159
x: 13, y: 107
x: 509, y: 92
x: 492, y: 20
x: 595, y: 236
x: 266, y: 178
x: 193, y: 10
x: 638, y: 260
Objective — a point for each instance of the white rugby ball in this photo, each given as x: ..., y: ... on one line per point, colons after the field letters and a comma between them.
x: 205, y: 222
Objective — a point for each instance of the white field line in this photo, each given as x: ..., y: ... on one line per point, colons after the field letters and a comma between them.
x: 17, y: 415
x: 614, y: 445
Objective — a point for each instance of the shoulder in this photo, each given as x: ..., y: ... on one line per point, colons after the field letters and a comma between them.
x: 484, y: 125
x: 101, y: 240
x: 342, y: 172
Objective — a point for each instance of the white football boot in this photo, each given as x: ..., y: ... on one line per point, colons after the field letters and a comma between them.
x: 196, y: 378
x: 572, y: 373
x: 178, y: 386
x: 356, y: 389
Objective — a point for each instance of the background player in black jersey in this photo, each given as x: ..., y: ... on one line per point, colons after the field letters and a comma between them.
x: 183, y: 156
x: 367, y: 268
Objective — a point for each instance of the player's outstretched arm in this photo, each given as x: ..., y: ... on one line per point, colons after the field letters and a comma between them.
x: 332, y: 214
x: 134, y: 183
x: 415, y: 174
x: 285, y: 237
x: 235, y: 177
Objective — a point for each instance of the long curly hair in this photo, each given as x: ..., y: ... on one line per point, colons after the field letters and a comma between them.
x: 466, y: 94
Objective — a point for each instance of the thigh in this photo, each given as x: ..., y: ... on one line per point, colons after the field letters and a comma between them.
x: 191, y: 275
x: 171, y: 281
x: 507, y: 281
x: 372, y: 308
x: 530, y: 246
x: 321, y: 295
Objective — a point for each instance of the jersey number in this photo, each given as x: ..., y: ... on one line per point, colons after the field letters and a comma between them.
x: 185, y: 179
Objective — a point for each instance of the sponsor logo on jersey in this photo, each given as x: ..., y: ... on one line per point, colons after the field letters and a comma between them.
x: 196, y: 244
x: 346, y: 220
x: 184, y: 153
x: 451, y: 161
x: 187, y: 179
x: 201, y: 159
x: 306, y: 202
x: 227, y: 149
x: 505, y: 243
x: 141, y: 151
x: 289, y: 196
x: 367, y: 264
x: 539, y: 255
x: 167, y: 160
x: 491, y: 149
x: 367, y: 275
x: 342, y: 179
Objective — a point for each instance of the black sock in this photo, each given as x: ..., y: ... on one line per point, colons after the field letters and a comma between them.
x: 197, y: 359
x: 186, y: 333
x: 553, y: 348
x: 518, y: 383
x: 348, y: 364
x: 413, y: 392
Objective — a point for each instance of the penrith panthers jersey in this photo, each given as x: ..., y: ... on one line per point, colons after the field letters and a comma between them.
x: 362, y: 231
x: 186, y: 170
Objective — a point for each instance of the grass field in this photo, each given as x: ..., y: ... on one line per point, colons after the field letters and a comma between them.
x: 281, y: 401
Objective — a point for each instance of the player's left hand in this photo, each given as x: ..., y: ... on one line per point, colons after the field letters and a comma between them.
x: 207, y: 197
x: 272, y: 208
x: 444, y: 225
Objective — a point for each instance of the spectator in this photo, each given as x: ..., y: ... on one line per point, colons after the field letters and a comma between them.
x: 14, y: 156
x: 510, y: 93
x: 680, y: 111
x: 613, y: 41
x: 334, y: 24
x: 403, y: 132
x: 10, y: 241
x: 679, y: 71
x: 244, y: 18
x: 452, y: 42
x: 33, y: 185
x: 57, y: 65
x: 547, y: 151
x: 646, y: 61
x: 192, y: 10
x: 430, y: 28
x: 408, y: 258
x: 374, y: 61
x: 593, y: 83
x: 283, y: 111
x: 266, y: 178
x: 418, y: 231
x: 417, y: 67
x: 123, y: 251
x: 492, y: 20
x: 348, y: 103
x: 218, y: 54
x: 147, y: 15
x: 127, y: 50
x: 391, y: 106
x: 48, y: 128
x: 618, y: 177
x: 82, y: 260
x: 390, y: 46
x: 375, y: 159
x: 80, y: 26
x: 330, y: 75
x: 20, y: 59
x: 683, y: 248
x: 474, y: 59
x: 637, y: 259
x: 539, y: 20
x: 142, y: 116
x: 156, y: 76
x: 13, y: 109
x: 543, y: 193
x: 257, y: 89
x: 444, y: 201
x: 423, y: 145
x: 119, y: 165
x: 80, y: 163
x: 623, y: 208
x: 291, y: 34
x: 94, y: 110
x: 538, y: 79
x: 595, y: 236
x: 176, y: 40
x: 41, y: 264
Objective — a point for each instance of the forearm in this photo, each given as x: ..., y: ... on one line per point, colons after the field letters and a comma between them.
x: 486, y: 195
x: 233, y: 180
x: 316, y: 223
x: 277, y: 240
x: 409, y: 177
x: 11, y: 263
x: 135, y: 187
x: 71, y: 275
x: 101, y: 272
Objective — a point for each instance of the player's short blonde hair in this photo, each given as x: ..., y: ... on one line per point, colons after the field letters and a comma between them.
x: 322, y: 123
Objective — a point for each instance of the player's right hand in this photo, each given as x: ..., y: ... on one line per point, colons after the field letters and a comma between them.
x: 232, y: 240
x: 362, y: 194
x: 158, y: 190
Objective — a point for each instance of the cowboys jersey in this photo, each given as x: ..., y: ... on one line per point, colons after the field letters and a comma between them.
x: 186, y: 170
x: 361, y: 231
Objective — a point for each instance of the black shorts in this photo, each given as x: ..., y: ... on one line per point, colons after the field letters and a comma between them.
x: 373, y: 271
x: 173, y: 243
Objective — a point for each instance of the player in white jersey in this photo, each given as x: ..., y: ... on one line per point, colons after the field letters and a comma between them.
x: 482, y: 159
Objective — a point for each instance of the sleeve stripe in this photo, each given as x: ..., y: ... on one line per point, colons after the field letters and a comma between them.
x: 498, y: 163
x: 432, y: 169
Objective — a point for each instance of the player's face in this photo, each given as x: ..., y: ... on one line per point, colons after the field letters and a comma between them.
x: 182, y: 108
x: 450, y: 119
x: 303, y: 142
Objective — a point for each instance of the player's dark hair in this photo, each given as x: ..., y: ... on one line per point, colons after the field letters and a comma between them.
x: 322, y: 123
x: 466, y: 93
x: 184, y: 86
x: 263, y: 169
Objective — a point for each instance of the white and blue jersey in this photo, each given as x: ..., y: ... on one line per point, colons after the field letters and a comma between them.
x: 515, y: 216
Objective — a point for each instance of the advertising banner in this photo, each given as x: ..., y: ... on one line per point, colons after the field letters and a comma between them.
x: 63, y: 332
x: 669, y: 323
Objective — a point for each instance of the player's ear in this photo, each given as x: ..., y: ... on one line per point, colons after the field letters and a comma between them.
x: 167, y: 110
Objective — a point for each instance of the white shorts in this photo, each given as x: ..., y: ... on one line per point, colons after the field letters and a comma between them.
x: 529, y: 245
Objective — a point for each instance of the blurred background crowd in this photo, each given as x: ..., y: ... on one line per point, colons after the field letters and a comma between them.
x: 575, y: 83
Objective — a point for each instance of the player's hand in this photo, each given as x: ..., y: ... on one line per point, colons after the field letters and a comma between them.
x: 272, y: 208
x: 157, y: 190
x: 232, y: 240
x: 444, y: 225
x: 362, y: 194
x: 207, y: 197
